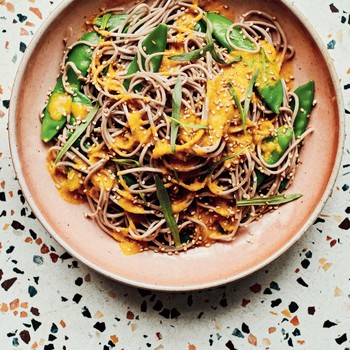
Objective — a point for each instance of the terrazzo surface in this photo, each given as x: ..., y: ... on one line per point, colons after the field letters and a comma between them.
x: 49, y: 300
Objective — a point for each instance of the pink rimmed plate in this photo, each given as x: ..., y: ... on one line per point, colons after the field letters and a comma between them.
x: 255, y: 246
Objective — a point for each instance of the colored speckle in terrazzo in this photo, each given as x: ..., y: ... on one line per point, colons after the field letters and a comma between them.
x: 25, y: 336
x: 328, y: 324
x: 245, y: 328
x: 276, y: 302
x: 237, y: 333
x: 79, y: 281
x: 32, y: 291
x: 293, y: 307
x: 333, y: 8
x: 345, y: 224
x: 331, y: 45
x: 7, y: 284
x: 37, y: 259
x: 100, y: 326
x: 77, y: 297
x: 17, y: 225
x: 255, y: 288
x: 36, y: 324
x: 85, y: 312
x: 302, y: 282
x: 230, y: 345
x: 342, y: 339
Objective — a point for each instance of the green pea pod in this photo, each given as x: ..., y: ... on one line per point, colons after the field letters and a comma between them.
x: 220, y: 26
x: 200, y: 26
x: 272, y: 95
x: 114, y: 21
x: 260, y: 178
x: 306, y: 94
x: 283, y: 185
x: 154, y: 42
x: 50, y: 126
x: 279, y: 144
x: 81, y: 55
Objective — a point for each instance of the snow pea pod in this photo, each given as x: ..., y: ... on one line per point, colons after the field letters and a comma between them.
x: 274, y: 147
x: 306, y: 94
x: 272, y: 95
x: 60, y: 102
x: 260, y: 178
x: 81, y: 55
x: 154, y: 42
x: 221, y: 25
x: 54, y: 121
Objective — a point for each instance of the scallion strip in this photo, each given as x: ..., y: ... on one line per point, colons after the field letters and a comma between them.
x: 249, y: 93
x: 273, y: 200
x: 105, y: 20
x: 78, y: 131
x: 193, y: 55
x: 176, y: 112
x: 230, y: 156
x: 190, y: 126
x: 126, y: 161
x: 165, y: 204
x: 239, y: 105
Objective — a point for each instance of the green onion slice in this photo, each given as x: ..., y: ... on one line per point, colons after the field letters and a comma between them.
x: 249, y: 93
x: 273, y: 200
x: 78, y: 131
x: 126, y: 161
x: 221, y: 61
x: 176, y: 111
x: 190, y: 126
x: 244, y: 112
x: 239, y: 105
x: 105, y: 20
x: 193, y: 55
x: 230, y: 156
x: 167, y: 210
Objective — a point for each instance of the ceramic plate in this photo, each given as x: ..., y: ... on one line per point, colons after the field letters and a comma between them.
x: 255, y: 246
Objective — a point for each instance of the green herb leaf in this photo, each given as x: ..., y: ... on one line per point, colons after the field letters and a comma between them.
x: 126, y: 161
x: 105, y: 20
x: 176, y: 112
x: 239, y: 105
x: 185, y: 125
x: 78, y: 131
x: 230, y: 156
x: 193, y: 55
x: 273, y: 200
x: 249, y: 93
x: 217, y: 59
x: 167, y: 210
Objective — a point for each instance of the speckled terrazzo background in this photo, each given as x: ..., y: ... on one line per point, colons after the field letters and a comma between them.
x: 48, y: 300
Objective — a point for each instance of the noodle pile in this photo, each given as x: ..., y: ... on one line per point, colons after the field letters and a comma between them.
x: 128, y: 141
